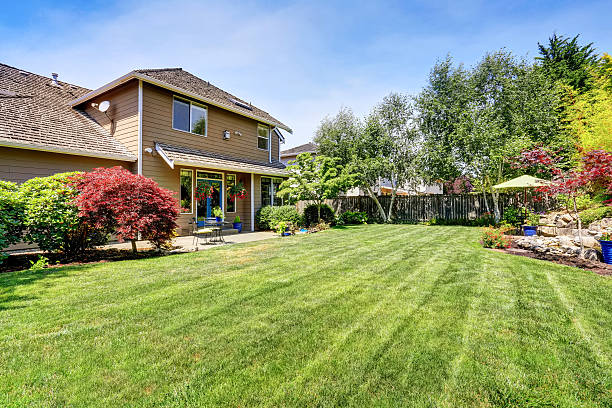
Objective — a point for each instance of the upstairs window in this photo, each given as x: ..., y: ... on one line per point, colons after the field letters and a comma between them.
x: 263, y: 137
x: 189, y: 117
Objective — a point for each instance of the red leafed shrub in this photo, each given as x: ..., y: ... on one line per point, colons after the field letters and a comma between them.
x: 117, y: 200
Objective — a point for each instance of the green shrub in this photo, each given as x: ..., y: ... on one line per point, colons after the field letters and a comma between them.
x: 327, y: 214
x: 582, y: 202
x: 52, y: 219
x: 595, y: 214
x: 352, y: 217
x: 268, y: 217
x: 11, y: 216
x: 513, y: 216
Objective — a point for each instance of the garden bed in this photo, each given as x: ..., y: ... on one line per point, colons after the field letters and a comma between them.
x: 22, y: 261
x: 599, y: 268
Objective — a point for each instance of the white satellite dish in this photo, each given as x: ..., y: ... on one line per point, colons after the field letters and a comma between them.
x: 104, y: 105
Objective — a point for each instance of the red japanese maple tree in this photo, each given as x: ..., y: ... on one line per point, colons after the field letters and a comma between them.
x: 117, y: 200
x: 594, y: 173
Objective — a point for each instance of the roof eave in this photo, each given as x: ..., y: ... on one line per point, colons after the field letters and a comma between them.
x: 63, y: 150
x: 135, y: 75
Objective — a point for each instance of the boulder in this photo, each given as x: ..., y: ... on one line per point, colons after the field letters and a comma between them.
x: 548, y: 231
x: 567, y: 218
x: 593, y: 255
x: 588, y: 242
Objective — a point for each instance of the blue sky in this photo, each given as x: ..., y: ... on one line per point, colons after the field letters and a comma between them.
x: 300, y: 61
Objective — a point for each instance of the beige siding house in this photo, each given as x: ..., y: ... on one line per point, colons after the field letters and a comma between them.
x: 165, y: 124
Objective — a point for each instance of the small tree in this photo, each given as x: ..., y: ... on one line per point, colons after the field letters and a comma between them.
x: 314, y: 179
x: 11, y: 216
x: 129, y: 204
x: 51, y: 218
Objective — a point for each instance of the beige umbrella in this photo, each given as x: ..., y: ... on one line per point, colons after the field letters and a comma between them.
x: 523, y: 182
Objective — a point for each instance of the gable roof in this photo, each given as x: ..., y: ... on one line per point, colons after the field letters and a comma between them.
x: 183, y: 82
x: 35, y: 114
x: 309, y: 147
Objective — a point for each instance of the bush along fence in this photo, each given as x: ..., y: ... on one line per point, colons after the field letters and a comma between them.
x: 454, y: 209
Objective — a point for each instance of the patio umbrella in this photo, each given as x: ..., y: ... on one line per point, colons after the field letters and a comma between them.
x: 523, y: 182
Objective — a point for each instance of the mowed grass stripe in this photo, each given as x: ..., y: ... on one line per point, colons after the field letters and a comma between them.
x: 378, y: 315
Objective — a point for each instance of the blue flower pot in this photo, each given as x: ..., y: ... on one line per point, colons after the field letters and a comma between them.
x: 238, y: 226
x: 286, y: 234
x: 218, y: 219
x: 606, y: 250
x: 530, y: 230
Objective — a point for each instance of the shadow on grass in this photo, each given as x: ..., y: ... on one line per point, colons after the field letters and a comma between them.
x: 10, y: 281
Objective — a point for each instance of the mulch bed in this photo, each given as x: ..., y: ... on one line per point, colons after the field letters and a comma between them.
x: 599, y: 268
x: 21, y: 261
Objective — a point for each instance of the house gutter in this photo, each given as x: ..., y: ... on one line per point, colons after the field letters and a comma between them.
x: 63, y: 150
x: 144, y: 78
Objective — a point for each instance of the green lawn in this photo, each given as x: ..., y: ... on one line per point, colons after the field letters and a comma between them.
x: 364, y: 316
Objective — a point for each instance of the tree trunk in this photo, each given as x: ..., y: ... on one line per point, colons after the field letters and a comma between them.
x: 484, y: 194
x: 393, y: 194
x: 579, y: 227
x: 134, y: 249
x: 318, y: 212
x: 380, y: 208
x: 496, y: 211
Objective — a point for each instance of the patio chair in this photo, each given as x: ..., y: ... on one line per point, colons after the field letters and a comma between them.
x: 216, y: 226
x: 200, y: 231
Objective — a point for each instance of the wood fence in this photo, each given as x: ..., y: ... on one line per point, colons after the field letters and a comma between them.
x: 439, y: 206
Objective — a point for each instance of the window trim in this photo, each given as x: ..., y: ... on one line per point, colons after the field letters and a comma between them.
x: 192, y: 195
x: 227, y: 196
x: 200, y: 105
x: 261, y: 137
x: 222, y: 180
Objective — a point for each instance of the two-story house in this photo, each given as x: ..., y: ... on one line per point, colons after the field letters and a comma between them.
x: 165, y: 124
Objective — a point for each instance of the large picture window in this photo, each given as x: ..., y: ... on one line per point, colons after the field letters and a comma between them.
x: 269, y: 187
x: 189, y: 117
x: 186, y: 191
x: 263, y: 137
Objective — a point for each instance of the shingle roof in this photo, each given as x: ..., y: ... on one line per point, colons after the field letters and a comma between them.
x: 182, y: 79
x: 185, y: 155
x: 305, y: 148
x: 34, y: 112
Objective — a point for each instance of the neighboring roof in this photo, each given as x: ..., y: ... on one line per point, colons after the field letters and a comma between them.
x: 183, y: 82
x: 305, y: 148
x: 187, y: 156
x: 524, y: 181
x: 35, y: 114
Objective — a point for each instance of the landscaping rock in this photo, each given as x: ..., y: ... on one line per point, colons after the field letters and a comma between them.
x: 548, y: 231
x: 593, y: 255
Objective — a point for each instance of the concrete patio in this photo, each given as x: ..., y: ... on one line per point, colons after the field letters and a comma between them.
x: 186, y: 243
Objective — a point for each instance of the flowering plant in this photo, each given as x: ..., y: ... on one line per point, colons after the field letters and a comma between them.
x: 204, y: 191
x: 606, y: 236
x: 237, y: 191
x: 494, y: 238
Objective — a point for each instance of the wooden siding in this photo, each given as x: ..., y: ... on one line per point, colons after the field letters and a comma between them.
x: 123, y: 111
x: 157, y: 127
x: 19, y: 165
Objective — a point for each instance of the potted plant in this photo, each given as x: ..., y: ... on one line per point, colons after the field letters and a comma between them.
x: 281, y: 228
x: 606, y: 247
x: 237, y: 224
x: 530, y: 227
x: 218, y: 213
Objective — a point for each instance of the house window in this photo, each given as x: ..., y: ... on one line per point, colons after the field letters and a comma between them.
x: 269, y: 188
x: 186, y: 191
x: 263, y: 137
x: 231, y: 204
x: 189, y: 117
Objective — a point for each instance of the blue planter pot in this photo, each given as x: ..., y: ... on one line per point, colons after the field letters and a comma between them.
x: 218, y: 219
x: 530, y: 230
x: 606, y: 250
x: 286, y: 234
x: 238, y: 226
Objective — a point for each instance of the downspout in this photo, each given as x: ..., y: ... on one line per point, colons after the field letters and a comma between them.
x: 140, y: 127
x: 252, y: 202
x: 269, y: 144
